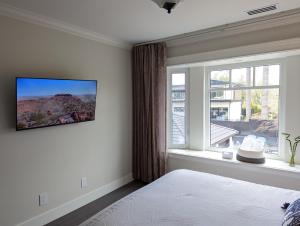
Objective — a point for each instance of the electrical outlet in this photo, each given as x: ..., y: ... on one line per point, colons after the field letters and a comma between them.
x: 84, y: 182
x: 43, y: 199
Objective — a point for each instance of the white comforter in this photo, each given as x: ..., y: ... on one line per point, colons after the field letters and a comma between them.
x: 188, y: 198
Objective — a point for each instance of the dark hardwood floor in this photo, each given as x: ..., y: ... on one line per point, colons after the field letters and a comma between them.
x: 80, y: 215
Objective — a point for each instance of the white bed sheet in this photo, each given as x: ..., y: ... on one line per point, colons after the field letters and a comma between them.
x: 189, y: 198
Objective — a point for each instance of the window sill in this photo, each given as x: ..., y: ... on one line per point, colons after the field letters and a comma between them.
x: 270, y: 164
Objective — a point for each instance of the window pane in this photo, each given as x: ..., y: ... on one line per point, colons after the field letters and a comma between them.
x: 267, y: 75
x: 178, y: 109
x: 219, y: 79
x: 178, y: 79
x: 247, y: 112
x: 242, y: 77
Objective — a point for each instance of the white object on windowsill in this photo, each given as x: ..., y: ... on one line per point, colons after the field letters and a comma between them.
x: 227, y: 155
x: 250, y: 153
x: 252, y: 150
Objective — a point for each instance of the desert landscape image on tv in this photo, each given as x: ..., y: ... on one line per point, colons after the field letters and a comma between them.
x: 50, y: 102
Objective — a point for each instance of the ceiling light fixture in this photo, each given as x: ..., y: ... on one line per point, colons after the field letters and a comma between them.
x: 168, y: 5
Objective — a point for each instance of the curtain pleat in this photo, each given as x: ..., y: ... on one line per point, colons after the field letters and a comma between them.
x: 149, y: 82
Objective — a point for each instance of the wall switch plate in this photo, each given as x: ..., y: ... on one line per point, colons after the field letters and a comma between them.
x: 43, y: 199
x: 84, y: 183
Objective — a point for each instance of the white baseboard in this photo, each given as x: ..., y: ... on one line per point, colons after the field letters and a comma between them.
x: 74, y: 204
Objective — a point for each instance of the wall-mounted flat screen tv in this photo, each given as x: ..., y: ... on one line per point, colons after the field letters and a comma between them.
x: 50, y: 102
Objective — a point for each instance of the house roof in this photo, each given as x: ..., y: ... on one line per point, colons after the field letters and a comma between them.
x: 219, y: 134
x: 178, y: 130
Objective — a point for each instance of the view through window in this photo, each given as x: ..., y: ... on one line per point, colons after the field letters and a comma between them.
x: 178, y: 98
x: 243, y: 102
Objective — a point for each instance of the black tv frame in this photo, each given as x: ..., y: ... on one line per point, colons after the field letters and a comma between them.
x: 16, y: 92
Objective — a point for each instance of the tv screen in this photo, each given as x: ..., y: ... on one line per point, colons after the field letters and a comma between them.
x: 49, y: 102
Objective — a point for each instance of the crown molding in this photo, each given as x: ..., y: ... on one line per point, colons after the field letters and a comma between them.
x: 34, y: 18
x: 250, y: 25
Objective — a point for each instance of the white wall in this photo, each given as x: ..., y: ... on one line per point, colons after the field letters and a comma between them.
x: 54, y: 159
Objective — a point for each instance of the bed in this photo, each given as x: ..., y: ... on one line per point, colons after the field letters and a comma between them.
x: 189, y: 198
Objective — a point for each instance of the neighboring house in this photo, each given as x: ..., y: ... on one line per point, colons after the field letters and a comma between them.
x: 178, y: 99
x: 224, y: 109
x: 178, y: 112
x: 225, y: 104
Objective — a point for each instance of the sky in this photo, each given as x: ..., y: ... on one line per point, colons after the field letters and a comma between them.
x: 178, y: 79
x: 47, y: 87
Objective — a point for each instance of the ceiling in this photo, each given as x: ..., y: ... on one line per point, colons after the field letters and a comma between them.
x: 135, y: 21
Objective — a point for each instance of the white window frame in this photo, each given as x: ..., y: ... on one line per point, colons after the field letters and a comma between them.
x: 171, y: 71
x: 281, y: 105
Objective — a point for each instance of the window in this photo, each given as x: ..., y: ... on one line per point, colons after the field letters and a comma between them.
x: 177, y: 112
x: 242, y: 102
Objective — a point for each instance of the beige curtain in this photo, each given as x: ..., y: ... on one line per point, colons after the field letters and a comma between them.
x: 149, y: 111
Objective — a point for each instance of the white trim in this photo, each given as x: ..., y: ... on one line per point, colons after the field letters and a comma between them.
x: 169, y: 108
x: 259, y: 61
x: 206, y: 109
x: 186, y: 106
x: 282, y: 105
x: 31, y: 17
x: 245, y: 87
x: 74, y: 204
